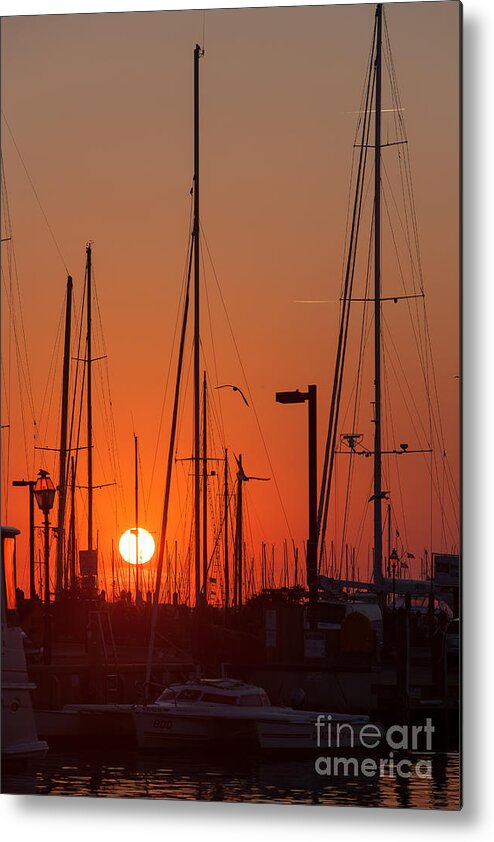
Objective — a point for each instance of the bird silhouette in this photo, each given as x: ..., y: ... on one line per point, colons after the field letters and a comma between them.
x: 242, y: 476
x: 235, y: 389
x: 382, y: 496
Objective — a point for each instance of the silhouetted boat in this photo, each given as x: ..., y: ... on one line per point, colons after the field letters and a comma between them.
x: 228, y: 712
x: 19, y: 736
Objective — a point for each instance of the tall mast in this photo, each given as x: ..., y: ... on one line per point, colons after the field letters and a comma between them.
x: 239, y: 540
x: 136, y: 486
x: 204, y: 493
x: 225, y: 551
x: 378, y: 578
x: 72, y: 576
x: 197, y: 445
x: 89, y: 407
x: 63, y: 442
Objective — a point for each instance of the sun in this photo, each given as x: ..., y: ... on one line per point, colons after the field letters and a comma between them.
x: 127, y: 546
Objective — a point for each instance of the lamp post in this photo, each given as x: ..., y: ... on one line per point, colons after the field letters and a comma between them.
x: 394, y: 560
x: 44, y: 493
x: 311, y: 398
x: 30, y: 484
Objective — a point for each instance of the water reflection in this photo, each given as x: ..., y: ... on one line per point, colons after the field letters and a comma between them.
x: 240, y: 778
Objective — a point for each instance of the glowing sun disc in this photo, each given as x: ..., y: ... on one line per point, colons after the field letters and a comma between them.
x: 127, y: 546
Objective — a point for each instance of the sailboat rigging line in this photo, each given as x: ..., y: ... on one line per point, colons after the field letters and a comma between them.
x: 170, y: 461
x: 251, y: 401
x: 215, y: 365
x: 419, y: 292
x: 389, y: 417
x: 219, y: 531
x: 50, y: 229
x: 406, y: 176
x: 404, y: 398
x: 360, y: 116
x: 13, y: 272
x: 75, y: 386
x: 358, y: 394
x: 366, y: 324
x: 399, y: 118
x: 421, y: 350
x: 439, y: 421
x: 217, y: 417
x: 141, y: 480
x: 405, y: 172
x: 107, y: 408
x: 21, y: 378
x: 175, y: 330
x: 365, y: 514
x: 7, y: 381
x: 81, y: 395
x: 328, y: 464
x: 50, y: 381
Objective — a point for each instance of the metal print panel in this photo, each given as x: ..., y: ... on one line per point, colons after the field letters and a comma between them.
x: 230, y: 405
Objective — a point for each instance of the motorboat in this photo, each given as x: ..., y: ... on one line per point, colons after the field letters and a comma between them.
x: 227, y: 711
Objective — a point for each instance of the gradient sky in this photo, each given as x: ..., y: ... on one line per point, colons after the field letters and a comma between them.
x: 101, y: 110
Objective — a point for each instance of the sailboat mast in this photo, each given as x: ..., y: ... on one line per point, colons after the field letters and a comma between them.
x: 136, y: 486
x: 239, y: 539
x: 204, y: 493
x: 225, y: 535
x: 72, y: 578
x: 62, y: 490
x: 89, y: 406
x: 197, y: 444
x: 378, y: 578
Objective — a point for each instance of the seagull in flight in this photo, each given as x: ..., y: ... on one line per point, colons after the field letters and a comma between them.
x: 235, y: 389
x: 241, y: 475
x: 384, y: 495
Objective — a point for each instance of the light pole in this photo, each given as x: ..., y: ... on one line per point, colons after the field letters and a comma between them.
x: 44, y: 492
x: 311, y: 397
x: 394, y: 560
x: 30, y: 484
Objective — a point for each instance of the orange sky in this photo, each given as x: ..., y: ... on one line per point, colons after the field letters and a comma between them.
x: 101, y: 110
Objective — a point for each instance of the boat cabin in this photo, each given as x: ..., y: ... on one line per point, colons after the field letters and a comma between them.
x: 216, y: 691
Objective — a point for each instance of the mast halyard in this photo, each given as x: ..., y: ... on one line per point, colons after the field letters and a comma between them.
x: 89, y: 406
x: 225, y: 534
x: 204, y: 494
x: 378, y: 577
x: 62, y: 482
x: 136, y: 488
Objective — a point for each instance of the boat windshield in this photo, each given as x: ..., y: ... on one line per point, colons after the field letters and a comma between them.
x: 254, y: 700
x: 167, y: 696
x: 219, y: 698
x: 189, y: 696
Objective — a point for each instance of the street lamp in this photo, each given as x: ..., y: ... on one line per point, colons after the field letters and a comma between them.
x: 394, y: 559
x: 44, y: 493
x: 30, y: 483
x: 311, y: 398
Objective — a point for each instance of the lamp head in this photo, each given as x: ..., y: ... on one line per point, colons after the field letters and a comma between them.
x: 44, y: 491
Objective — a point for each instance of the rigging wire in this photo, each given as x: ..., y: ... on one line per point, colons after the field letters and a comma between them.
x: 329, y: 453
x: 175, y: 331
x: 50, y: 229
x: 246, y: 382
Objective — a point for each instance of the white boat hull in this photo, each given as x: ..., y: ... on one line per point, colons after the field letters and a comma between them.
x: 298, y: 735
x: 19, y: 736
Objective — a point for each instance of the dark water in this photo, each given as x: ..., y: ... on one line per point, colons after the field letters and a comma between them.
x: 205, y: 777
